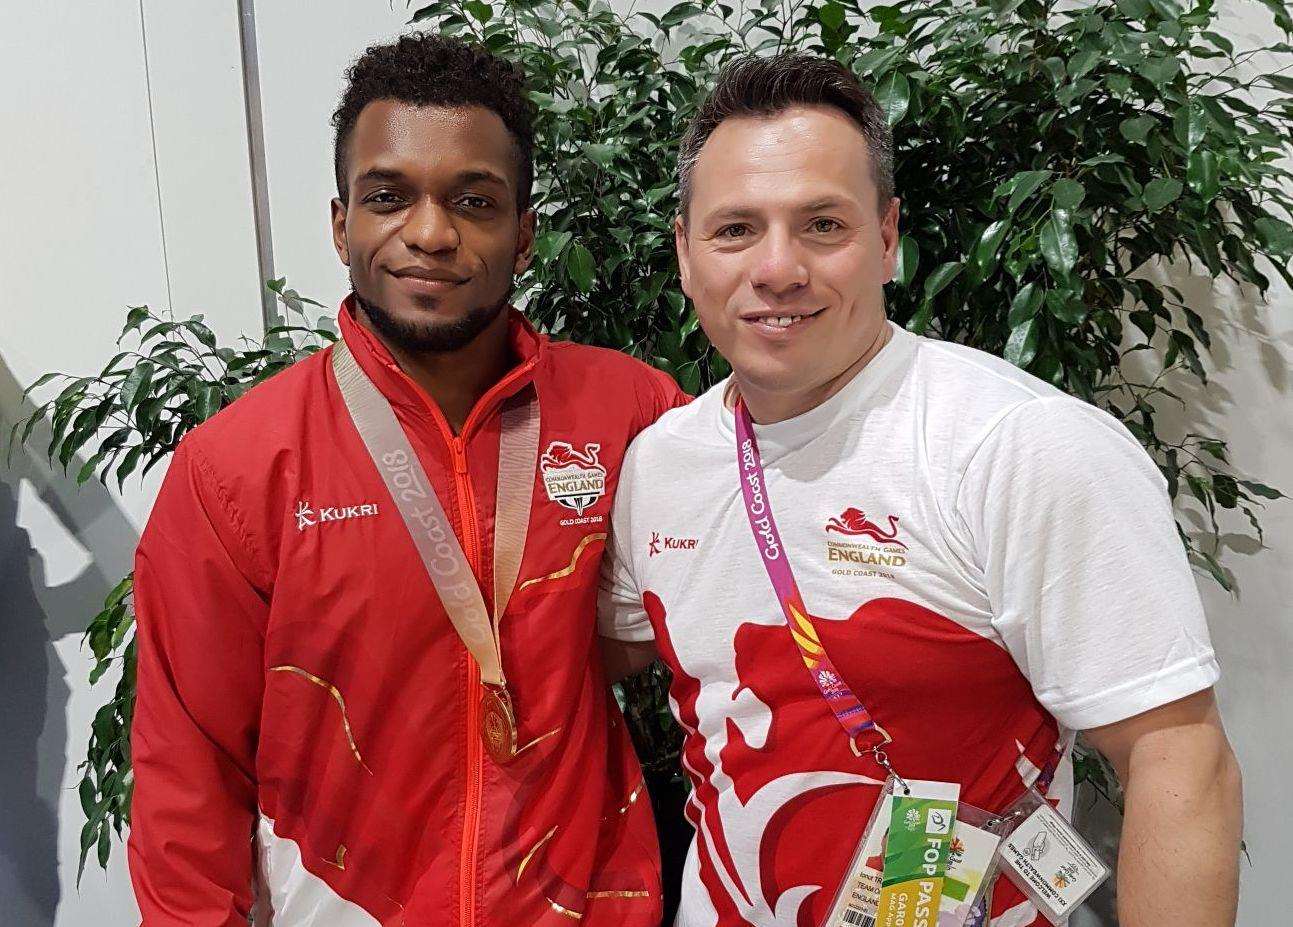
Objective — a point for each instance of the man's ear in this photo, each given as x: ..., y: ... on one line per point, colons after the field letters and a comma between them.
x: 684, y: 256
x: 890, y: 235
x: 525, y: 243
x: 339, y: 231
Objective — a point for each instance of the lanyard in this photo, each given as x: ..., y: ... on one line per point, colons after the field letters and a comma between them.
x: 864, y: 734
x: 425, y: 518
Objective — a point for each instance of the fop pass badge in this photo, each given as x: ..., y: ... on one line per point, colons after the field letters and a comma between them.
x: 921, y: 822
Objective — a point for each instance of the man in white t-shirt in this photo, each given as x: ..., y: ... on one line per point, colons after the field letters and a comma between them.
x: 991, y: 565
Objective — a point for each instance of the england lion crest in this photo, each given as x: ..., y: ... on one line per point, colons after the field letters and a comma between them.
x: 575, y: 479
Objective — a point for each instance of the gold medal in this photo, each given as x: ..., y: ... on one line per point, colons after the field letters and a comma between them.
x: 498, y: 725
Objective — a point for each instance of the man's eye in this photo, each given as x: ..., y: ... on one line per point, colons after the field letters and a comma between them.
x: 732, y: 232
x: 825, y: 226
x: 383, y: 198
x: 474, y: 202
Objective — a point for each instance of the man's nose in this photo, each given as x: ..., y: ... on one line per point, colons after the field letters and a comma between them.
x: 429, y: 227
x: 779, y: 266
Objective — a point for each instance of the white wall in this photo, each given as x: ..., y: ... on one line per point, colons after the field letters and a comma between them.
x: 109, y: 151
x: 124, y: 175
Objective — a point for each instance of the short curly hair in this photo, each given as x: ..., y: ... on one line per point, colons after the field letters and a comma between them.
x: 424, y: 69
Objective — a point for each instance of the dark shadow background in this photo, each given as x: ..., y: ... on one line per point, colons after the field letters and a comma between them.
x: 34, y: 684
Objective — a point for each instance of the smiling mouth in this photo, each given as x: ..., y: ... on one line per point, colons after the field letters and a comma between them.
x: 783, y: 322
x: 427, y: 284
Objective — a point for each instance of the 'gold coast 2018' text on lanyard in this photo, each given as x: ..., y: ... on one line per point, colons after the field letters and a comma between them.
x: 864, y: 733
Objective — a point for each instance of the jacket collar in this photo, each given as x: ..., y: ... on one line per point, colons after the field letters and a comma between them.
x: 528, y: 346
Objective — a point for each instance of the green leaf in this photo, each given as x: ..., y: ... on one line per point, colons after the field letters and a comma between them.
x: 1136, y: 129
x: 480, y: 11
x: 1025, y: 305
x: 1275, y: 235
x: 89, y: 834
x: 938, y: 280
x: 119, y: 592
x: 1201, y: 174
x: 1067, y: 193
x: 1083, y: 62
x: 1021, y: 347
x: 41, y: 381
x: 105, y: 847
x: 603, y: 155
x: 1160, y: 192
x: 208, y: 401
x: 135, y: 388
x: 88, y: 797
x: 1058, y: 243
x: 579, y: 266
x: 1260, y: 489
x: 1066, y: 306
x: 1020, y: 187
x: 88, y: 468
x: 908, y: 260
x: 894, y: 95
x: 137, y: 316
x: 831, y: 15
x: 1279, y: 82
x: 1216, y: 570
x: 679, y: 14
x: 1160, y: 71
x: 985, y: 252
x: 549, y: 244
x: 1135, y: 10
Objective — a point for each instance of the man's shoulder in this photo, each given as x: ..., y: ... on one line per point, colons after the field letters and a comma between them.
x: 961, y: 394
x: 569, y: 358
x: 267, y: 417
x: 622, y: 387
x: 950, y: 371
x: 682, y: 434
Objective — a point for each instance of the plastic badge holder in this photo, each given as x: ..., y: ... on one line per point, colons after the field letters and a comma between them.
x: 1047, y: 859
x: 858, y: 896
x: 971, y: 868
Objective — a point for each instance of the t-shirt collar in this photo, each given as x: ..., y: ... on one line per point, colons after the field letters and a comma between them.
x: 793, y: 433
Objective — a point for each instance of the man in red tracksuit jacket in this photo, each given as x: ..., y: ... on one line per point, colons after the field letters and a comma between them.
x: 307, y: 732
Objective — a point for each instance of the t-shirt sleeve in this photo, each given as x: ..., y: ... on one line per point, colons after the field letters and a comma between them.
x: 620, y: 614
x: 1091, y: 590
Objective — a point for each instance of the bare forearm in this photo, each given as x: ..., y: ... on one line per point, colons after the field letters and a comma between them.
x: 1179, y: 857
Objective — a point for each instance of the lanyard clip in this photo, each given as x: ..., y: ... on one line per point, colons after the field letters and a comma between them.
x: 878, y: 739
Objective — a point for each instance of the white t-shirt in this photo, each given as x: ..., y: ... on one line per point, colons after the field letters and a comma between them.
x: 991, y: 565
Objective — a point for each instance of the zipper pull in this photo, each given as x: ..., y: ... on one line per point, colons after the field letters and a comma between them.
x: 459, y: 456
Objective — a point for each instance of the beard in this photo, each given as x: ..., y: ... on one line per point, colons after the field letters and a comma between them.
x: 431, y: 336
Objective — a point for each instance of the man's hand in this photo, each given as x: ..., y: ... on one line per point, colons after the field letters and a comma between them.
x: 1179, y: 857
x: 625, y: 658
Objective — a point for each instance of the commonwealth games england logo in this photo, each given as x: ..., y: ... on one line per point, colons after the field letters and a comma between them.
x: 854, y: 522
x: 575, y: 479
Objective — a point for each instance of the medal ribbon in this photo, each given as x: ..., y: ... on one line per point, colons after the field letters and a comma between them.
x: 852, y: 715
x: 425, y: 517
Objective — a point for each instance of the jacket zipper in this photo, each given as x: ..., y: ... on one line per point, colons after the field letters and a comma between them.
x: 467, y: 505
x: 475, y: 769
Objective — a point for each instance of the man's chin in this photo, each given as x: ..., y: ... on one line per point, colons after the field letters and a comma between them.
x: 435, y: 327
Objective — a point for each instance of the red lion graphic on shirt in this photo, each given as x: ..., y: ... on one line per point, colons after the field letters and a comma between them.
x: 854, y: 522
x: 560, y: 454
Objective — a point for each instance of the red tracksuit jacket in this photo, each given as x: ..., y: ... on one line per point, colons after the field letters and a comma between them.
x: 305, y: 737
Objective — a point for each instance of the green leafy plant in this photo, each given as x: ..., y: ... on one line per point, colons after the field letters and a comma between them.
x: 133, y: 414
x: 1053, y: 161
